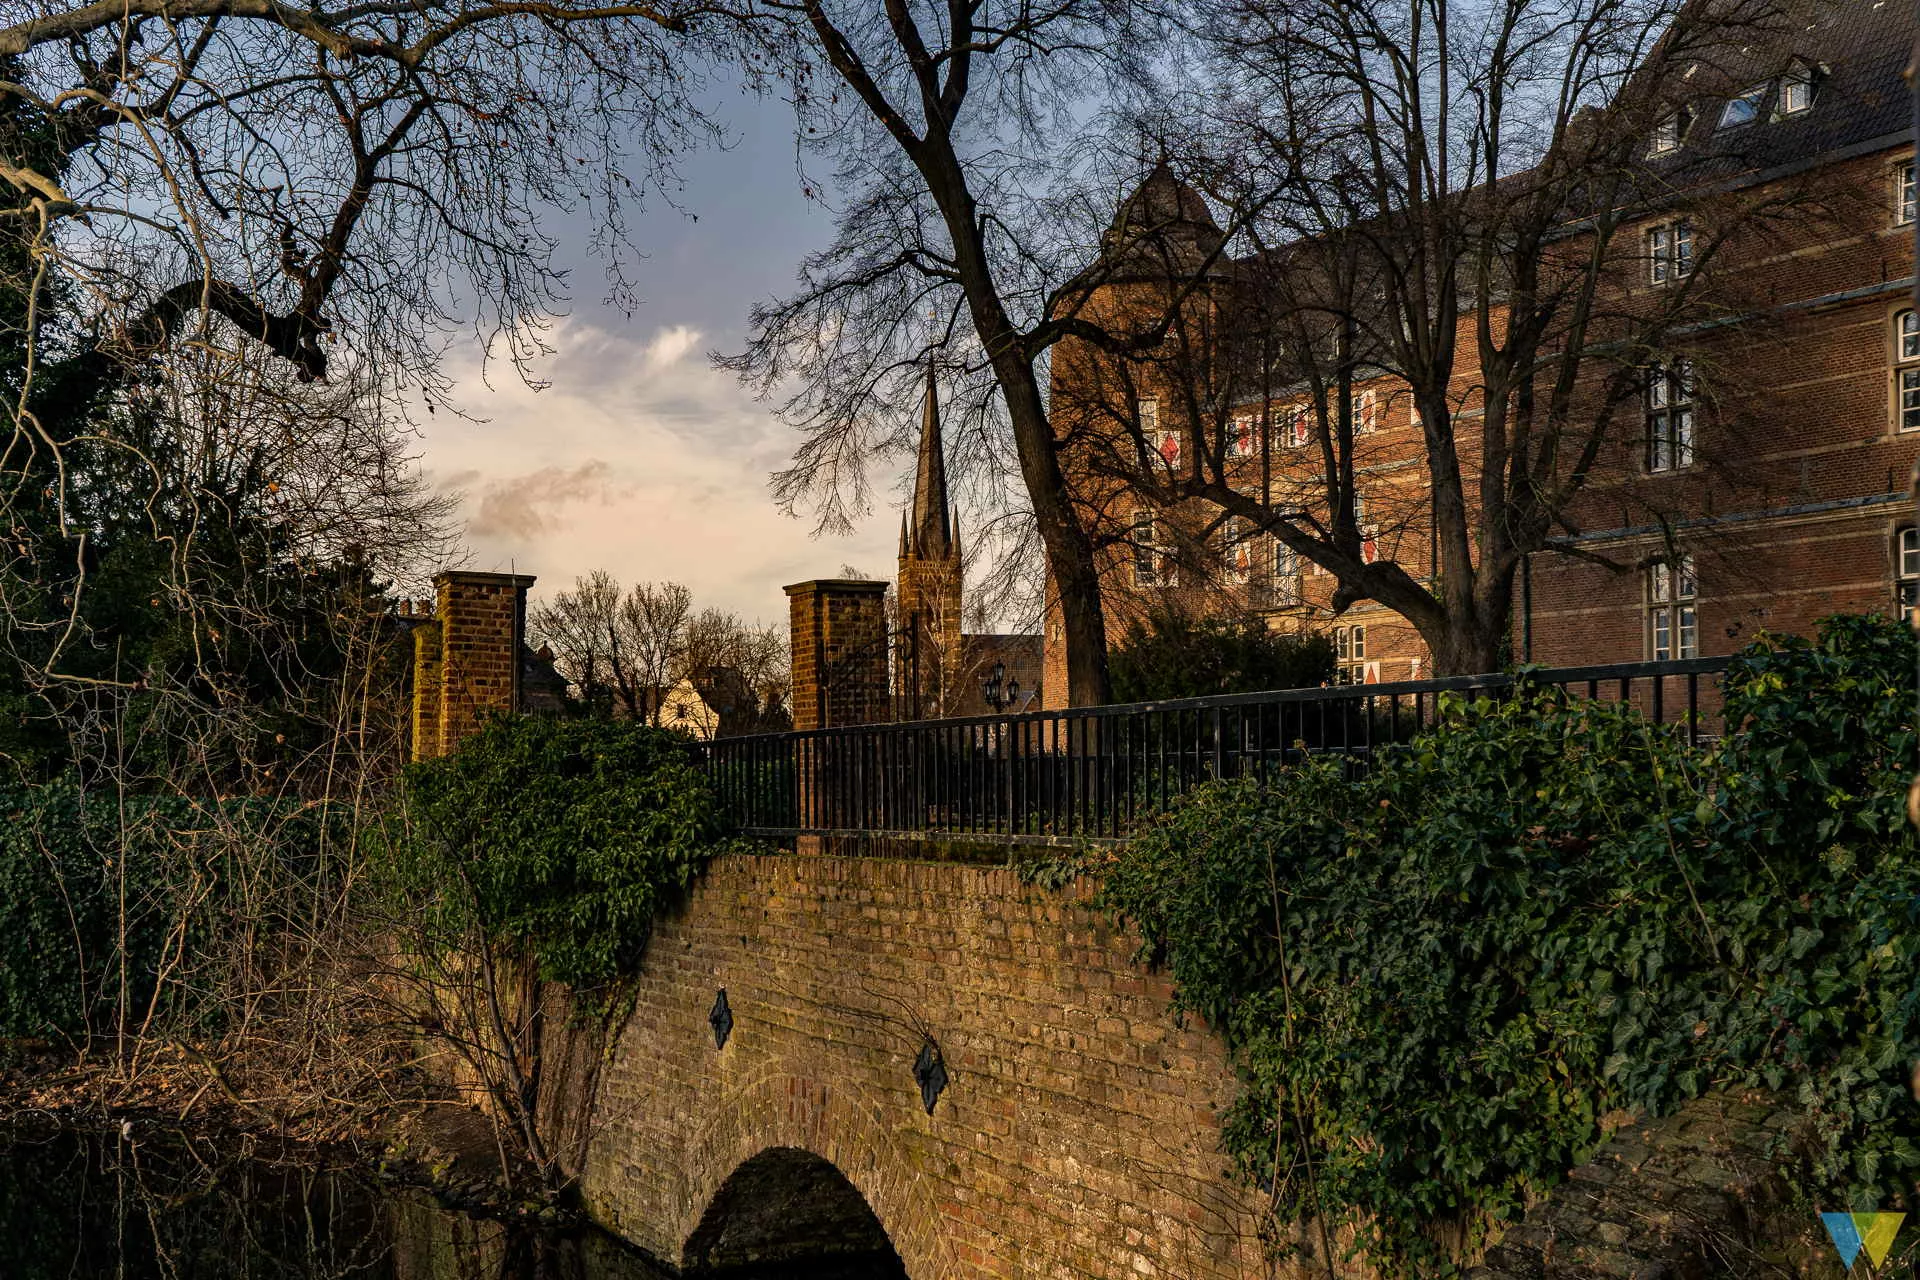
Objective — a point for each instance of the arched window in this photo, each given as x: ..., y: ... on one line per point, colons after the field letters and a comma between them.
x: 1906, y: 357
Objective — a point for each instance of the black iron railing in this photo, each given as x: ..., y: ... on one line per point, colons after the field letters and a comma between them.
x: 1089, y: 773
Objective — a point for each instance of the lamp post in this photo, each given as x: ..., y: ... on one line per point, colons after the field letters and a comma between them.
x: 998, y: 691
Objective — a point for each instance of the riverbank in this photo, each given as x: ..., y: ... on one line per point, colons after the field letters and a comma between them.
x: 397, y: 1128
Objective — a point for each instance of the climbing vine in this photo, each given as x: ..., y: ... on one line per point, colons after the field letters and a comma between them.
x: 558, y: 839
x: 1438, y: 980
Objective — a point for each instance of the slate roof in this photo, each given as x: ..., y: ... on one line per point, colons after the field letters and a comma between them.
x: 1856, y: 49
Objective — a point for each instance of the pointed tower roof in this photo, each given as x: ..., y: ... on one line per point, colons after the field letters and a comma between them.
x: 930, y: 523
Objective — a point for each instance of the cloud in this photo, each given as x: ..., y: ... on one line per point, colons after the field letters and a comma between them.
x: 641, y: 459
x: 527, y: 506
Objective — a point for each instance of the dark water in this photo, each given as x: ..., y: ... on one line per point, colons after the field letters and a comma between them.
x: 77, y: 1207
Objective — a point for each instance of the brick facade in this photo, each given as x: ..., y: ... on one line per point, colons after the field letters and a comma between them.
x: 1079, y: 1134
x: 466, y: 659
x: 1791, y: 504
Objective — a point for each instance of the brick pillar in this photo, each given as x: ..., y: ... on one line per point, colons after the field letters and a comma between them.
x: 426, y: 686
x: 839, y: 646
x: 839, y: 638
x: 474, y: 651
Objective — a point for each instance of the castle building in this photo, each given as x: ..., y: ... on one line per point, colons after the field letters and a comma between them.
x: 1755, y: 473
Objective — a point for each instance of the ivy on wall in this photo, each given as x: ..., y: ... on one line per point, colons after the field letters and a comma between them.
x: 558, y: 837
x: 1438, y: 979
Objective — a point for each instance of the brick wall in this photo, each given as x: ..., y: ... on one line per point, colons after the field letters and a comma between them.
x: 467, y: 660
x: 1079, y: 1136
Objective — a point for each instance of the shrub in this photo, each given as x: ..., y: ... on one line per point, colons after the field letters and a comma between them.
x: 1171, y: 655
x: 559, y: 837
x: 153, y: 898
x: 1437, y: 979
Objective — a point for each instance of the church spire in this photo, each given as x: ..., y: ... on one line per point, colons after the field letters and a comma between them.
x: 931, y: 525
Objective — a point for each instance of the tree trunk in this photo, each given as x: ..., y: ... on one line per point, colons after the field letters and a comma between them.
x: 1070, y: 562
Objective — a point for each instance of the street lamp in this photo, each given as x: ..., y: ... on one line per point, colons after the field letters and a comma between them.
x: 999, y: 692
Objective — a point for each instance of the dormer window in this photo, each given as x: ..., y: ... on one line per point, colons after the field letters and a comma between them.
x: 1744, y: 108
x: 1796, y: 92
x: 1668, y: 134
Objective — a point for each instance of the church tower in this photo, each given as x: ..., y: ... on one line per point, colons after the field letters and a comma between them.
x: 929, y: 665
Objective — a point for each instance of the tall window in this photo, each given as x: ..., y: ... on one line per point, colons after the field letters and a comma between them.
x: 1906, y: 570
x: 1350, y: 652
x: 1369, y: 536
x: 1244, y: 440
x: 1162, y: 439
x: 1670, y: 416
x: 1286, y: 572
x: 1669, y: 133
x: 1903, y: 194
x: 1364, y: 407
x: 1669, y: 251
x: 1152, y: 564
x: 1299, y: 426
x: 1240, y: 546
x: 1673, y: 626
x: 1906, y: 358
x: 1742, y: 108
x: 1796, y: 92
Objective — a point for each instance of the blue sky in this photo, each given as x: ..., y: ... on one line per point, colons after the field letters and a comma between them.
x: 640, y: 458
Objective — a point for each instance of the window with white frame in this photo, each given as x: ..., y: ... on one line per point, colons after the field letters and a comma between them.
x: 1163, y: 440
x: 1240, y: 547
x: 1670, y: 416
x: 1152, y: 563
x: 1243, y: 439
x: 1796, y: 92
x: 1903, y: 206
x: 1286, y: 572
x: 1673, y: 627
x: 1906, y: 571
x: 1364, y: 408
x: 1743, y: 108
x: 1350, y: 653
x: 1669, y: 251
x: 1369, y: 536
x: 1299, y: 426
x: 1669, y: 133
x: 1906, y: 360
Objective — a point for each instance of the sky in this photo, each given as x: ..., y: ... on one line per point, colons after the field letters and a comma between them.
x: 639, y: 457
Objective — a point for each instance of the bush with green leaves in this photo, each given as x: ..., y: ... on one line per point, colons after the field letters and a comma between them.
x: 559, y: 838
x: 1172, y: 655
x: 116, y: 907
x: 1439, y: 978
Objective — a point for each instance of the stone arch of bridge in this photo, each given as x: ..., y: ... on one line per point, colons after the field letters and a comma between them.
x: 789, y: 1133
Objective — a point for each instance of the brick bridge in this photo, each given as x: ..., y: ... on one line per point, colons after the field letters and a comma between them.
x: 1078, y: 1134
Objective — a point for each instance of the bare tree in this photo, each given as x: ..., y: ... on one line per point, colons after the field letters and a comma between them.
x: 627, y: 649
x: 1447, y: 310
x: 950, y: 123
